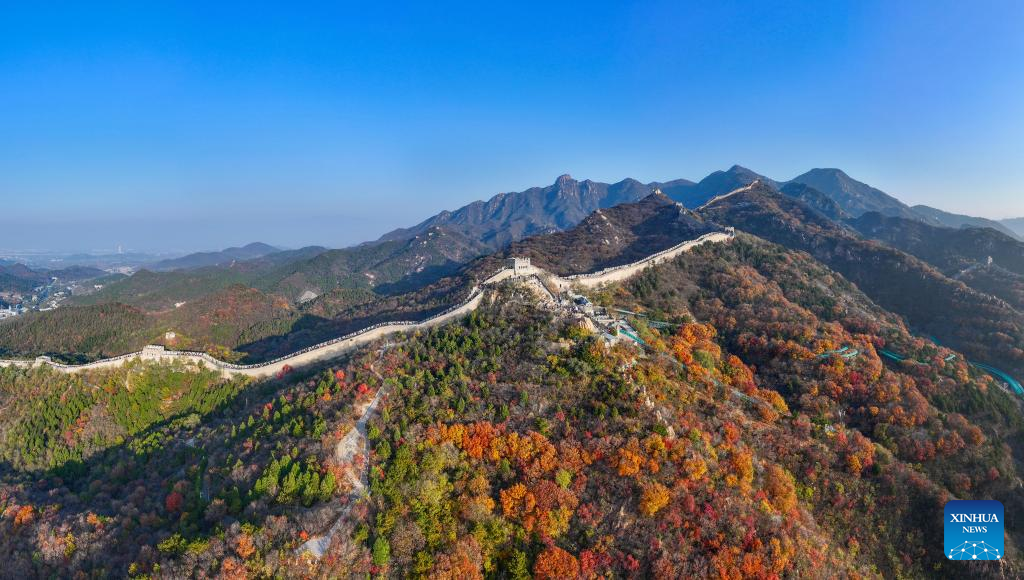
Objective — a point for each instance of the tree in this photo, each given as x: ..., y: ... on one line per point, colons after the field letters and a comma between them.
x: 555, y: 563
x: 381, y: 551
x: 655, y: 496
x: 174, y: 501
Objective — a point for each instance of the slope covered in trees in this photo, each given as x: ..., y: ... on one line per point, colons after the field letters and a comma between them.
x: 986, y: 328
x: 514, y: 443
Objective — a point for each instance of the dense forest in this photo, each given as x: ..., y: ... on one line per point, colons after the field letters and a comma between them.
x: 983, y: 326
x: 733, y: 442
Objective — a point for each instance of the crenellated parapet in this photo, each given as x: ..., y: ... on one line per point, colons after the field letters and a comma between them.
x: 515, y: 268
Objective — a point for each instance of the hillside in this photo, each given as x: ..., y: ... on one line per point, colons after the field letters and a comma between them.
x: 854, y: 197
x: 983, y: 326
x: 508, y: 217
x: 1015, y: 224
x: 512, y: 443
x: 950, y: 250
x: 815, y: 199
x: 953, y: 220
x: 19, y: 278
x: 717, y: 183
x: 226, y: 256
x: 610, y: 237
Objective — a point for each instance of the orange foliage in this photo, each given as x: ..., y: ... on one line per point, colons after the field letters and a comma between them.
x: 555, y: 563
x: 517, y: 501
x: 464, y: 562
x: 629, y: 462
x: 781, y: 489
x: 244, y: 547
x: 232, y: 569
x: 24, y: 516
x: 742, y: 463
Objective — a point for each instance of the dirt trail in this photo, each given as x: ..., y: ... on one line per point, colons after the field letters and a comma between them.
x: 354, y: 442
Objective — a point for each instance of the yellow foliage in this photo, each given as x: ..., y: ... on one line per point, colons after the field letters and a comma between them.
x: 655, y: 496
x: 695, y: 468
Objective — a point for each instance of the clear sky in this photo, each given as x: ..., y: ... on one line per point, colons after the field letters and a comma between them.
x: 205, y: 124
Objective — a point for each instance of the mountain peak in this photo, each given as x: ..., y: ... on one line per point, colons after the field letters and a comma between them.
x: 739, y: 169
x: 855, y: 197
x: 564, y: 179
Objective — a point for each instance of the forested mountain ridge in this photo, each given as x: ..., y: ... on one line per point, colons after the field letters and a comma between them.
x: 985, y: 327
x: 855, y: 197
x: 225, y: 256
x: 953, y: 220
x: 609, y: 237
x: 508, y: 217
x: 235, y: 321
x: 513, y: 443
x: 19, y: 278
x: 950, y: 250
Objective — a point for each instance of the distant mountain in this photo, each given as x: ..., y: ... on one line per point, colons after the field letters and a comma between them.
x: 854, y: 197
x: 76, y: 273
x: 610, y: 237
x: 203, y: 259
x: 718, y: 183
x: 951, y: 250
x: 816, y: 199
x: 962, y: 254
x: 953, y: 220
x: 1016, y: 225
x: 303, y: 275
x: 508, y: 217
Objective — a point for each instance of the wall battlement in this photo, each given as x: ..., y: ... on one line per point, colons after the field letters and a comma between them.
x: 516, y: 267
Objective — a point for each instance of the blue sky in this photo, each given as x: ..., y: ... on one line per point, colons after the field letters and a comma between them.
x: 201, y: 125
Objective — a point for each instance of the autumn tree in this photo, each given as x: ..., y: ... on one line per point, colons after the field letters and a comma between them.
x: 555, y: 563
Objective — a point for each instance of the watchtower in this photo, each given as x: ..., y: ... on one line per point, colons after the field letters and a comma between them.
x: 519, y: 266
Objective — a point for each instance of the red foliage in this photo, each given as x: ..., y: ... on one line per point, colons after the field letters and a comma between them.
x: 174, y: 501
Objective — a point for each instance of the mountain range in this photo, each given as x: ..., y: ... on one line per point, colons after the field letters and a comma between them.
x: 288, y: 298
x: 797, y: 401
x: 226, y: 256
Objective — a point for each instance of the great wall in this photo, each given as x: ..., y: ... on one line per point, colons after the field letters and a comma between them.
x: 518, y: 268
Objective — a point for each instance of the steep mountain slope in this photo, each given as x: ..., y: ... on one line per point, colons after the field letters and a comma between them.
x: 717, y: 183
x: 226, y: 256
x: 610, y: 237
x: 1014, y: 224
x: 815, y: 199
x: 514, y: 443
x: 962, y: 254
x: 953, y: 220
x: 507, y: 217
x: 950, y: 250
x: 19, y: 278
x: 854, y: 197
x: 301, y: 275
x: 986, y: 328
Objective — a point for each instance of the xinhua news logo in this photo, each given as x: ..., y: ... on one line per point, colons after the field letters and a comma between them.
x: 974, y: 530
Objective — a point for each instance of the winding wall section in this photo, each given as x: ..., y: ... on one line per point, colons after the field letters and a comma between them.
x: 338, y: 346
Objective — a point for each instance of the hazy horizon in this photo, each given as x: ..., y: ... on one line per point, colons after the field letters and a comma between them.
x: 193, y: 129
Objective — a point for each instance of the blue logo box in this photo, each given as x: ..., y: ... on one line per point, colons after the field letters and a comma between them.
x: 974, y: 530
